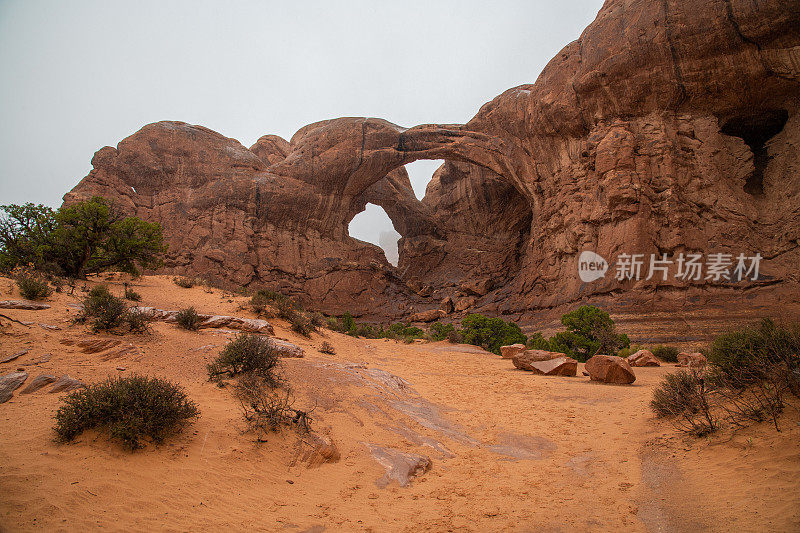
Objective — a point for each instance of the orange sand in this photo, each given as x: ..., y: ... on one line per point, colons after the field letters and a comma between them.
x: 583, y: 456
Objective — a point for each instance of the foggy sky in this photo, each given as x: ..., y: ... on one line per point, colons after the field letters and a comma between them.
x: 79, y: 75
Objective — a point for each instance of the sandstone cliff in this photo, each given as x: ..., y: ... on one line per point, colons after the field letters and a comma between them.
x: 670, y: 126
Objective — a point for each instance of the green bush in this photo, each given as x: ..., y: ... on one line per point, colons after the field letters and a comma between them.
x: 188, y: 319
x: 130, y: 409
x: 103, y: 310
x: 748, y: 351
x: 441, y: 330
x: 132, y: 295
x: 327, y: 348
x: 538, y: 342
x: 247, y: 353
x: 33, y: 288
x: 666, y: 353
x: 590, y: 331
x: 348, y: 323
x: 85, y: 238
x: 490, y: 333
x: 334, y: 324
x: 301, y: 324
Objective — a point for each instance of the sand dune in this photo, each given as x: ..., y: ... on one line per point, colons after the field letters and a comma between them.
x: 509, y: 451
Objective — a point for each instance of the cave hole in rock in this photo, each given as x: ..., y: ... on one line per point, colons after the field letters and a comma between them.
x: 420, y: 173
x: 755, y: 130
x: 373, y: 225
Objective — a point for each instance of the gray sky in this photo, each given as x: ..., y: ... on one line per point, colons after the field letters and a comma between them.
x: 76, y: 76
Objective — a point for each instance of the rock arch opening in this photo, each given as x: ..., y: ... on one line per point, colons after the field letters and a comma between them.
x: 420, y: 172
x: 374, y: 226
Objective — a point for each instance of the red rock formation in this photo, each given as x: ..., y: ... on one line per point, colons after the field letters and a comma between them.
x: 669, y: 126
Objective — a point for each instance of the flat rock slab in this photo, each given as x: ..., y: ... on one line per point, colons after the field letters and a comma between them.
x: 38, y: 382
x: 14, y: 356
x: 92, y: 345
x: 27, y: 305
x: 65, y: 384
x: 9, y: 383
x: 42, y: 359
x: 400, y: 466
x: 249, y: 325
x: 523, y: 360
x: 560, y: 366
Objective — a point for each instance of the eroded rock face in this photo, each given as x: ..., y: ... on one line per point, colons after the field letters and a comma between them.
x: 669, y: 126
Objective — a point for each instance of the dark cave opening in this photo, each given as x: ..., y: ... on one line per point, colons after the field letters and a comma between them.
x: 755, y: 130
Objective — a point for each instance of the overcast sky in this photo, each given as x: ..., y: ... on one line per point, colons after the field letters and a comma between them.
x: 76, y: 76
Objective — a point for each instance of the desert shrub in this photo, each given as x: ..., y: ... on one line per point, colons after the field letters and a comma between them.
x: 590, y: 331
x: 628, y: 351
x: 264, y: 297
x: 348, y: 323
x: 683, y: 397
x: 455, y: 337
x: 490, y: 333
x: 327, y: 347
x: 188, y: 319
x: 186, y: 283
x: 746, y: 353
x: 538, y: 342
x: 33, y: 288
x: 138, y: 321
x: 247, y: 354
x: 402, y: 332
x: 266, y: 409
x: 84, y: 238
x: 666, y: 353
x: 102, y: 310
x: 334, y: 324
x: 440, y: 330
x: 132, y: 295
x: 301, y: 324
x: 130, y: 409
x: 317, y: 320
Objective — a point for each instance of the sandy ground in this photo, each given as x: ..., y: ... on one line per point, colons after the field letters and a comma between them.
x: 510, y: 451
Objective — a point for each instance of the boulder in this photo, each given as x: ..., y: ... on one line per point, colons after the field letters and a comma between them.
x: 400, y: 466
x: 287, y: 349
x: 508, y: 352
x: 692, y: 360
x: 27, y: 305
x: 610, y: 369
x: 524, y: 359
x: 431, y: 315
x: 447, y: 306
x: 65, y: 384
x: 560, y: 366
x: 643, y: 358
x: 38, y: 382
x: 9, y: 383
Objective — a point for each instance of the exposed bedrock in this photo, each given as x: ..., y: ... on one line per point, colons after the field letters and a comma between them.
x: 669, y: 126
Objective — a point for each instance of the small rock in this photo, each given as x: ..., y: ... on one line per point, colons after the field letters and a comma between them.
x: 508, y: 352
x: 43, y: 359
x: 49, y: 327
x: 65, y: 384
x: 643, y: 358
x: 38, y: 382
x: 14, y: 356
x: 121, y: 368
x: 692, y: 360
x: 9, y: 383
x: 399, y: 466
